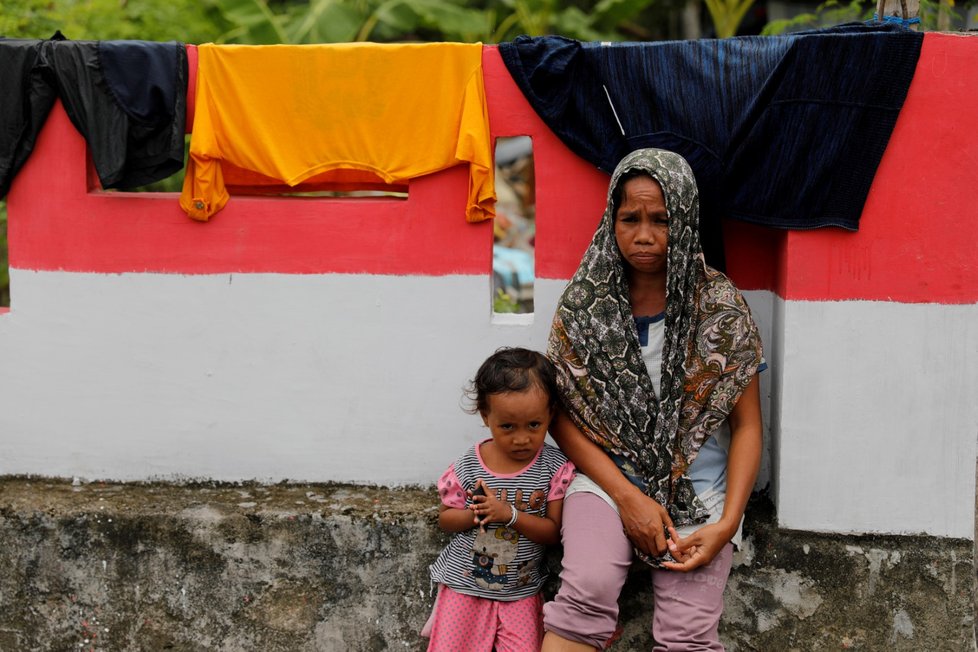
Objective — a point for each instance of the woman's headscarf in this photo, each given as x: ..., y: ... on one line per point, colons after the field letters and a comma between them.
x: 711, y: 352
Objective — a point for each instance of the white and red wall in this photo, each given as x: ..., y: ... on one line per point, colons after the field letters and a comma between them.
x: 324, y: 339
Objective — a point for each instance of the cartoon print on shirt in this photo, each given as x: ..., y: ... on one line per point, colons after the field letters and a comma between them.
x: 536, y: 501
x: 524, y: 571
x: 492, y: 554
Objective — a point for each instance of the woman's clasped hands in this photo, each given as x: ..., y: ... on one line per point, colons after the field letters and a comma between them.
x: 699, y: 548
x: 648, y: 526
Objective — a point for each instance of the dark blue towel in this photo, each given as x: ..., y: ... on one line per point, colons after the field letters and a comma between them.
x: 784, y: 131
x: 144, y: 76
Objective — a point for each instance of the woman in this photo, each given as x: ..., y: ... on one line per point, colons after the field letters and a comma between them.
x: 657, y: 354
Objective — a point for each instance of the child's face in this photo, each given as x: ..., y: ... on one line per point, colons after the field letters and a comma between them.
x: 518, y: 422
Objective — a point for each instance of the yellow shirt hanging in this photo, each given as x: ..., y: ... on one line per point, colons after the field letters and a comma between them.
x: 295, y: 113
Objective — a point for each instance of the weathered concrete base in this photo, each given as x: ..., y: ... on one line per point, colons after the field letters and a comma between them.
x: 794, y: 591
x: 326, y: 567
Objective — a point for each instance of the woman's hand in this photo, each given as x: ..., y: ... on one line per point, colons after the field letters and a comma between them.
x: 699, y: 548
x: 488, y: 508
x: 743, y: 460
x: 645, y: 522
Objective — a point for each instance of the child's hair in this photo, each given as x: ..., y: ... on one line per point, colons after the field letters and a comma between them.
x: 512, y: 370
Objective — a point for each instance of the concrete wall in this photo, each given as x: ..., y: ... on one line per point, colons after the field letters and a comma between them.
x: 328, y: 340
x: 296, y: 568
x: 301, y: 568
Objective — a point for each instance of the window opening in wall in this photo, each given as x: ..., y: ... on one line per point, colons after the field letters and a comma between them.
x: 341, y: 183
x: 397, y: 192
x: 333, y: 184
x: 4, y: 259
x: 302, y: 191
x: 514, y: 229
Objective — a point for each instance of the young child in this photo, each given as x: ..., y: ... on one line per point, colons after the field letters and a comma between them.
x: 502, y: 500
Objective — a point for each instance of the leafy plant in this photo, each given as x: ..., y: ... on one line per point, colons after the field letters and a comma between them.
x: 191, y: 21
x: 831, y: 12
x: 504, y: 302
x: 333, y: 21
x: 727, y: 15
x: 939, y: 15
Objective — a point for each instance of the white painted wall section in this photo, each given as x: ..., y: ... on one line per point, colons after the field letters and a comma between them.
x: 249, y: 376
x: 265, y: 376
x: 878, y: 418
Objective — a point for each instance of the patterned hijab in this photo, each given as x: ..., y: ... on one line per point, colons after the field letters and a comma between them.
x: 711, y: 352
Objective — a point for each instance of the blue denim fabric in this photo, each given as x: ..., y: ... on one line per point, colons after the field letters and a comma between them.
x: 784, y: 131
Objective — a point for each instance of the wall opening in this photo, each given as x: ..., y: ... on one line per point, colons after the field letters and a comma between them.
x: 4, y: 260
x: 396, y: 192
x: 333, y: 184
x: 514, y: 229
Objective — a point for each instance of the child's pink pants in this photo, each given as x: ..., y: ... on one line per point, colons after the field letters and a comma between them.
x: 597, y: 558
x: 465, y: 623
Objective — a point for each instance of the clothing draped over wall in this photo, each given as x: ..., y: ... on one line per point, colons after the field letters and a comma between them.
x: 781, y: 131
x: 290, y: 114
x: 127, y: 98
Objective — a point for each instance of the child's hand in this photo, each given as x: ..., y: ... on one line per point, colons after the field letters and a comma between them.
x: 489, y: 509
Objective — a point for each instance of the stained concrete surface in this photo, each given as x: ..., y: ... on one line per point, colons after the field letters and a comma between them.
x: 187, y: 567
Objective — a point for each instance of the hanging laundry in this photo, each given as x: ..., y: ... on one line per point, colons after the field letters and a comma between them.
x: 341, y: 113
x: 24, y: 105
x: 127, y: 99
x: 783, y: 131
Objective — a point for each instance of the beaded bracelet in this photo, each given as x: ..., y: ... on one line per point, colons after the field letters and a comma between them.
x: 513, y: 518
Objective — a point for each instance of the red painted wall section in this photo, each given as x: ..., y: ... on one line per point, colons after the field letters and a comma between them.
x: 58, y: 221
x: 570, y: 192
x: 914, y: 243
x: 918, y: 235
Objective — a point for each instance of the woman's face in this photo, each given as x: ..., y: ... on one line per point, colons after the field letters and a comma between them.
x: 642, y: 226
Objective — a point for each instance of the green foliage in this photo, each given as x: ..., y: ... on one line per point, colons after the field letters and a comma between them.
x: 607, y: 15
x: 504, y: 302
x: 936, y: 15
x: 828, y: 13
x: 397, y: 19
x: 491, y: 21
x: 190, y: 21
x: 727, y: 15
x: 326, y: 22
x: 932, y: 14
x: 253, y: 22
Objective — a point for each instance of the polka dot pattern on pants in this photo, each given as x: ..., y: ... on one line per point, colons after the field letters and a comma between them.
x: 465, y: 623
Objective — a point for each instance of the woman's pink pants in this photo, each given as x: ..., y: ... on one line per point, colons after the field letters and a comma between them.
x: 597, y: 558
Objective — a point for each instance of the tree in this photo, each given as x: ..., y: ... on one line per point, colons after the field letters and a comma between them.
x: 333, y: 21
x: 190, y: 21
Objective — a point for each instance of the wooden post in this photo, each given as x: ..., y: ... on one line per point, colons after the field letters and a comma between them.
x: 905, y: 9
x: 944, y: 15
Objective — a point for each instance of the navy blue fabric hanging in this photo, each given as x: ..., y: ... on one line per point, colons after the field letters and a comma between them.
x: 782, y: 131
